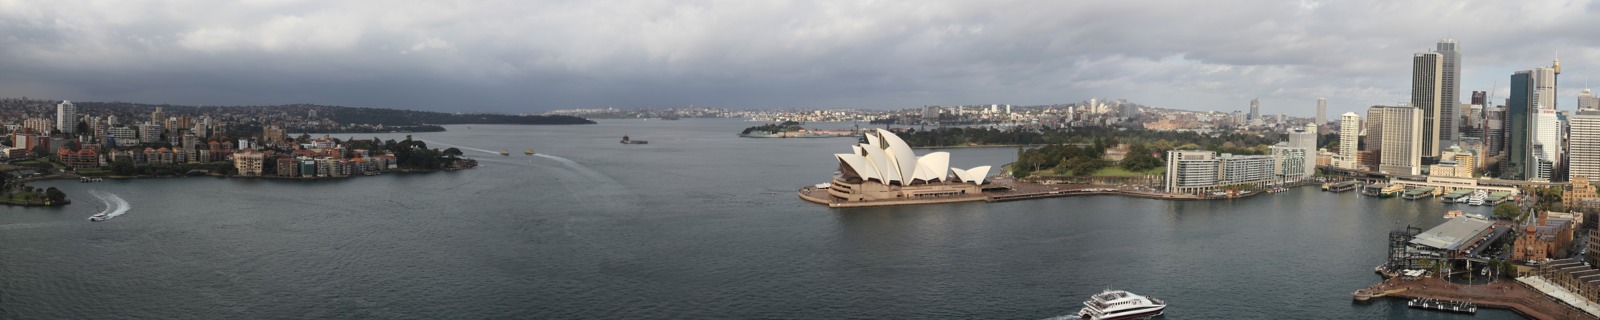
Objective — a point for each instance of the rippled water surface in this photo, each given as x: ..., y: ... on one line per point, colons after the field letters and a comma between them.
x: 696, y: 224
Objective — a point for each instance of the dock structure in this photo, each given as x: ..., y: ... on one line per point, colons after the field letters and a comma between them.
x: 1418, y: 193
x: 1455, y: 196
x: 1503, y: 294
x: 1443, y: 305
x: 1498, y: 197
x: 1342, y: 186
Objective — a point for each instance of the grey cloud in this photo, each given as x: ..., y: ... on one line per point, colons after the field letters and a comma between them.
x: 530, y: 56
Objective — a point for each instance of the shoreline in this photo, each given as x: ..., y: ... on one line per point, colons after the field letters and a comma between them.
x: 1018, y: 191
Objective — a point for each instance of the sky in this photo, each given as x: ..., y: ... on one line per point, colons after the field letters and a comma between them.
x: 533, y: 56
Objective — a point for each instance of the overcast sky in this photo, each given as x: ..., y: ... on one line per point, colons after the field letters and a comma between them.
x: 533, y: 56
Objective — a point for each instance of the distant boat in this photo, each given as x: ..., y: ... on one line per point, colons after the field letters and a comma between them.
x: 99, y: 217
x: 528, y: 152
x: 503, y: 152
x: 625, y: 140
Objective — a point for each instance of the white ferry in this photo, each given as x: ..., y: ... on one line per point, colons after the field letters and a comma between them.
x: 1118, y: 304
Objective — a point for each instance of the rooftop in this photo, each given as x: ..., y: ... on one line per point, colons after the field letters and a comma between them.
x: 1452, y: 234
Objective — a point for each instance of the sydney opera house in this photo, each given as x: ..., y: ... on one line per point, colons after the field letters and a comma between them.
x: 884, y: 168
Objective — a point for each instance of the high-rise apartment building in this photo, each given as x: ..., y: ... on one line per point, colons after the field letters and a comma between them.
x: 1322, y: 111
x: 1401, y: 140
x: 1255, y: 112
x: 67, y: 117
x: 1426, y: 83
x: 1349, y: 131
x: 1449, y: 93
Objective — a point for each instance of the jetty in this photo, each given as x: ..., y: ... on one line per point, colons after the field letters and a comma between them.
x: 1455, y: 196
x: 1501, y: 294
x: 1418, y: 193
x: 1341, y: 186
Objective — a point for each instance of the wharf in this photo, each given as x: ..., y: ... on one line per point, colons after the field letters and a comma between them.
x: 1342, y: 186
x: 1418, y: 193
x: 1011, y: 190
x: 1502, y: 294
x: 1458, y: 194
x: 1498, y: 197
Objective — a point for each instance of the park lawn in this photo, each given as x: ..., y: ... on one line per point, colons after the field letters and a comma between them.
x: 1119, y: 172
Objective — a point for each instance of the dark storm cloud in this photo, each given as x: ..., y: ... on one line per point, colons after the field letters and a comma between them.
x: 531, y: 56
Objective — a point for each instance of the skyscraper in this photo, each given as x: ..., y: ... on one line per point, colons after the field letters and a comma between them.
x: 1255, y: 111
x: 1401, y: 140
x: 1514, y: 162
x: 1349, y: 131
x: 1322, y: 111
x: 1374, y: 137
x: 1546, y: 132
x: 1584, y: 153
x: 67, y: 117
x: 1426, y: 74
x: 1450, y: 94
x: 1587, y: 100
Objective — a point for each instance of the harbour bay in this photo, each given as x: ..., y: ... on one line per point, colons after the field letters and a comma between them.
x: 697, y: 224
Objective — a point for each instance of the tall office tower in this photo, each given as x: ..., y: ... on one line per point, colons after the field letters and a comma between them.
x: 1401, y: 140
x: 1587, y: 100
x: 1426, y: 83
x: 67, y: 117
x: 1494, y: 132
x: 1546, y: 144
x: 1349, y: 131
x: 1374, y: 136
x: 1544, y: 90
x: 1255, y: 109
x: 1449, y: 92
x: 1515, y: 161
x: 1480, y: 98
x: 1584, y: 152
x: 1322, y: 111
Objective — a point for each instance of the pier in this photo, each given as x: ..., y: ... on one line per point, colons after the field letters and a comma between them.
x: 1501, y: 294
x: 1457, y: 195
x: 1342, y: 186
x: 1418, y: 193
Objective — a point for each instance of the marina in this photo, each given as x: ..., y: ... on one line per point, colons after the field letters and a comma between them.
x: 1442, y: 305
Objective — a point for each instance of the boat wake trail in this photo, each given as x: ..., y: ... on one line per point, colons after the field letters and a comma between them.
x: 581, y: 169
x: 115, y: 206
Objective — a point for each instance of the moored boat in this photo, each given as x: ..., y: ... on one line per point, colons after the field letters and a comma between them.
x: 1118, y: 304
x: 528, y: 152
x: 504, y: 152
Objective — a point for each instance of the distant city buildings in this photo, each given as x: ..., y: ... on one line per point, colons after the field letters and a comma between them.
x: 1426, y: 86
x: 1400, y: 136
x: 67, y: 117
x: 1322, y: 111
x: 1349, y: 135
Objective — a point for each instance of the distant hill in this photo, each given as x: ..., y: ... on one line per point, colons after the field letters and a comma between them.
x: 354, y: 115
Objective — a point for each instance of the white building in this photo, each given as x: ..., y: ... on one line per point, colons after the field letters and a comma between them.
x: 1204, y: 171
x: 67, y: 117
x: 149, y: 133
x: 1349, y: 131
x: 123, y: 136
x: 1322, y: 111
x: 1546, y: 142
x: 1584, y: 153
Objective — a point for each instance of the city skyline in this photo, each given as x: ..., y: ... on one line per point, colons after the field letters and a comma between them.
x: 881, y: 55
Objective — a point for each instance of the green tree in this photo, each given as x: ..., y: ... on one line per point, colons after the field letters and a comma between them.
x: 1508, y: 211
x: 55, y: 195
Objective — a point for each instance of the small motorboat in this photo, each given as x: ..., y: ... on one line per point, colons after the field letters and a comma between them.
x: 528, y: 152
x: 505, y: 153
x: 99, y: 217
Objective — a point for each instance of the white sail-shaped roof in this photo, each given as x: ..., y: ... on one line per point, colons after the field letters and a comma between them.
x: 900, y: 153
x: 859, y: 165
x: 974, y: 175
x: 932, y: 167
x: 887, y: 168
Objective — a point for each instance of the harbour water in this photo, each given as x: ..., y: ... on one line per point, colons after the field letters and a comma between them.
x: 697, y: 224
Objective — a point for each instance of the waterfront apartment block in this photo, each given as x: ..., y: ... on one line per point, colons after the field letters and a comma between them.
x: 1205, y: 171
x: 1349, y: 131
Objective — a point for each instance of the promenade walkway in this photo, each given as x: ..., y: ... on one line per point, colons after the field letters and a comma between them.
x: 1538, y: 283
x: 1503, y: 294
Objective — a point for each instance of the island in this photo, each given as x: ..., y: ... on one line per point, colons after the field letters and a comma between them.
x: 92, y: 141
x: 791, y: 129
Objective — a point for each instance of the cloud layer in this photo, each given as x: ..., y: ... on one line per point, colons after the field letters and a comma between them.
x: 531, y: 56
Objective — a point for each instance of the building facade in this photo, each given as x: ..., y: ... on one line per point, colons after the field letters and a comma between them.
x: 1401, y: 139
x: 1449, y: 92
x: 1426, y: 84
x: 67, y: 117
x: 1349, y: 131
